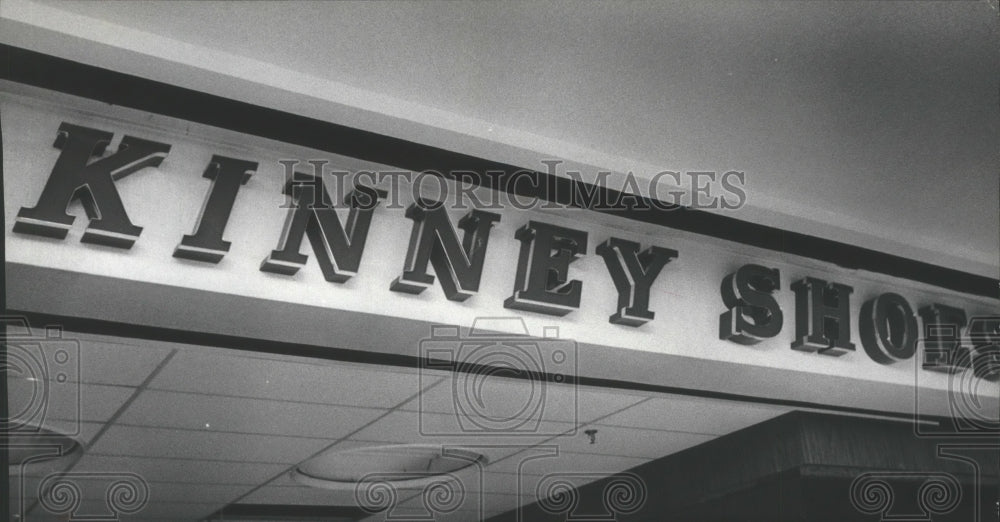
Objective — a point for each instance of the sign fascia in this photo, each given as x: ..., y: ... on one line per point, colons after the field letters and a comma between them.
x: 117, y: 198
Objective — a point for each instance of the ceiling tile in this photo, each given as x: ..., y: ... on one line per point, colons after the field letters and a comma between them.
x: 33, y: 401
x: 497, y: 482
x: 206, y: 444
x: 487, y: 482
x: 693, y: 414
x: 334, y: 383
x: 439, y: 503
x: 525, y: 483
x: 74, y: 358
x: 266, y: 414
x: 83, y: 432
x: 94, y: 486
x: 86, y: 433
x: 198, y: 411
x: 284, y: 489
x: 285, y: 479
x: 300, y: 495
x: 210, y: 493
x: 126, y: 364
x: 432, y: 428
x: 178, y: 511
x: 628, y: 442
x: 185, y: 471
x: 505, y: 398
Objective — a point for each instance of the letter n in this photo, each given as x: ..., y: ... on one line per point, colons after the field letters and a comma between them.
x: 434, y: 239
x: 338, y: 248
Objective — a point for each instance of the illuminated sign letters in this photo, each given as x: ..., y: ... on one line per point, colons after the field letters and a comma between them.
x: 206, y: 244
x: 434, y: 239
x: 887, y: 325
x: 888, y: 328
x: 338, y: 248
x: 633, y: 273
x: 754, y: 314
x: 822, y: 317
x: 75, y: 176
x: 543, y: 283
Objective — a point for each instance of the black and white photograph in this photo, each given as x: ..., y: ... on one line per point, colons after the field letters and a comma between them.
x: 504, y: 261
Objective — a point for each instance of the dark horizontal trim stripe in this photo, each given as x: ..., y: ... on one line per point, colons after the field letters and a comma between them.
x: 92, y: 326
x: 57, y: 74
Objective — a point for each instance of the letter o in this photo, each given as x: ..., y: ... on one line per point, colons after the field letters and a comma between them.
x: 888, y: 328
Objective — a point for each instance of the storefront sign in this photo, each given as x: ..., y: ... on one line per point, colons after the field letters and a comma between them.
x: 542, y: 282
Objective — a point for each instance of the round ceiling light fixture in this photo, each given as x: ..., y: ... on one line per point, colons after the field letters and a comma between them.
x: 400, y: 465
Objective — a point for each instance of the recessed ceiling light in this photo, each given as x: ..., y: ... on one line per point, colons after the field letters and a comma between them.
x: 402, y: 465
x: 33, y: 445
